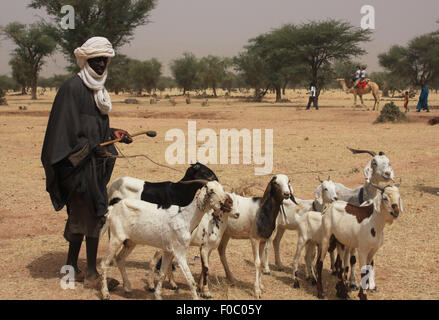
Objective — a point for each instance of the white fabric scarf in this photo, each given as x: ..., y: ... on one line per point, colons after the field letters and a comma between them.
x: 95, y: 47
x: 96, y: 83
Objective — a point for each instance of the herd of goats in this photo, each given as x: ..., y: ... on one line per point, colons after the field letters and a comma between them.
x: 196, y: 211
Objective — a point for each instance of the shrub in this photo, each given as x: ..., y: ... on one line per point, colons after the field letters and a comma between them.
x: 131, y: 101
x: 2, y: 98
x: 391, y: 113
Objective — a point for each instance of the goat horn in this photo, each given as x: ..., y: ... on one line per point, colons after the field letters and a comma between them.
x: 203, y: 181
x: 320, y: 180
x: 377, y: 187
x: 329, y: 178
x: 399, y: 183
x: 354, y: 151
x: 293, y: 199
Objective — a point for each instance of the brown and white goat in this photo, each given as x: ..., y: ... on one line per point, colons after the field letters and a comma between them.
x: 257, y: 221
x: 358, y: 228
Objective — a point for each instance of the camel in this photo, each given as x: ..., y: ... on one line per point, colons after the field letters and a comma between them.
x: 371, y: 87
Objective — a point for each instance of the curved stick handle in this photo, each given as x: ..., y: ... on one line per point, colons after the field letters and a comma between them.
x: 149, y: 133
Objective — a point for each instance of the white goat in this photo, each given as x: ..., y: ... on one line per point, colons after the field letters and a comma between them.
x: 377, y: 170
x: 257, y: 221
x: 361, y: 228
x: 290, y: 222
x: 308, y: 225
x: 207, y: 236
x: 132, y: 221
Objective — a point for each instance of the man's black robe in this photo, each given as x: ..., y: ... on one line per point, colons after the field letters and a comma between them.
x: 74, y: 122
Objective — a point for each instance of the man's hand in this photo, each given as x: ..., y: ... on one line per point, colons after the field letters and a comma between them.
x: 123, y: 135
x: 101, y: 152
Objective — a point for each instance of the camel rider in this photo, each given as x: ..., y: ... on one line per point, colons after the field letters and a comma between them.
x: 356, y: 76
x: 363, y: 76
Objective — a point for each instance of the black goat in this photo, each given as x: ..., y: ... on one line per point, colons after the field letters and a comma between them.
x: 164, y: 194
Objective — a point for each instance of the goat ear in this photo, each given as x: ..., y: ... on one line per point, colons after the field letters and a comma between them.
x: 318, y: 194
x: 368, y: 171
x: 266, y: 193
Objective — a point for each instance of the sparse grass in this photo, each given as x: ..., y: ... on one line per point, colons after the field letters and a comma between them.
x: 33, y: 250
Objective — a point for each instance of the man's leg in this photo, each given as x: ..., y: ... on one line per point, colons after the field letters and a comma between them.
x: 92, y: 252
x: 316, y: 103
x: 93, y: 279
x: 309, y: 103
x: 72, y: 255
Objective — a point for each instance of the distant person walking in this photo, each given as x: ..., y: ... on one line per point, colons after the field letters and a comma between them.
x: 423, y: 100
x: 313, y: 97
x: 406, y: 102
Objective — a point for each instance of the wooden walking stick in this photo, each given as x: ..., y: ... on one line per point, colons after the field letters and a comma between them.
x: 149, y: 133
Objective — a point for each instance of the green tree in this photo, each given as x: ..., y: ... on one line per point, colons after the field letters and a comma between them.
x: 58, y: 79
x: 117, y: 79
x: 320, y: 44
x: 229, y: 81
x: 20, y: 72
x: 390, y: 82
x: 418, y: 62
x: 8, y: 83
x: 253, y: 70
x: 165, y: 83
x: 33, y: 44
x: 282, y: 62
x: 144, y: 74
x: 185, y: 71
x: 114, y: 19
x: 299, y: 52
x: 212, y: 71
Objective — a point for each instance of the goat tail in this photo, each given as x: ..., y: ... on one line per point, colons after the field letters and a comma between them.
x: 107, y: 224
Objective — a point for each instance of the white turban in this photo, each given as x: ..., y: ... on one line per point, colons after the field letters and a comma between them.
x: 92, y: 48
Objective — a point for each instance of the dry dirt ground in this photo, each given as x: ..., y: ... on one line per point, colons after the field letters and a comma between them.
x: 306, y: 144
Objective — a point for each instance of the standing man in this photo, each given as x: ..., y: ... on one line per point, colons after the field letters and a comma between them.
x: 423, y: 100
x: 77, y: 168
x: 313, y: 97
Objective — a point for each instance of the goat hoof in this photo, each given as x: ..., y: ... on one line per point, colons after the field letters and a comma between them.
x: 151, y: 289
x: 353, y: 287
x: 266, y: 272
x: 106, y: 296
x: 206, y: 296
x: 342, y: 290
x: 296, y: 284
x: 362, y: 296
x: 374, y: 289
x: 174, y: 289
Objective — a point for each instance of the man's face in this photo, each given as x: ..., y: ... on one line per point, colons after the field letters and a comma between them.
x: 98, y: 64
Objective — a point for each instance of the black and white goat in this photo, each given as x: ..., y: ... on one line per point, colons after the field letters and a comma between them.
x: 164, y: 194
x: 257, y: 221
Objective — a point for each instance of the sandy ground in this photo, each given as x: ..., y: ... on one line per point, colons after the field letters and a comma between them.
x: 306, y: 144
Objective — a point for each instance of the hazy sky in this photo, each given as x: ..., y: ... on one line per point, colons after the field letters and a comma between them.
x: 223, y: 27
